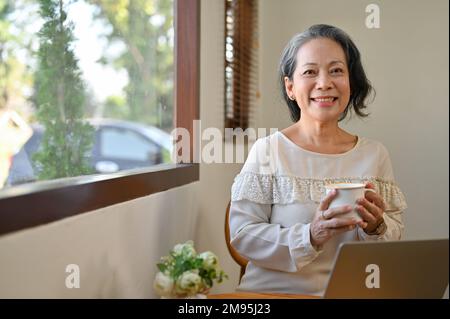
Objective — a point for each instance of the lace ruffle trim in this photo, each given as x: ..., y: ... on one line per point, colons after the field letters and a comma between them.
x: 284, y: 189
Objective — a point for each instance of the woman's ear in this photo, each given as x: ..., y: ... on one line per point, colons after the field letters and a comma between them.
x: 289, y: 86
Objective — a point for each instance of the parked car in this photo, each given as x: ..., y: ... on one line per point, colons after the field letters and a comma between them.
x: 118, y: 145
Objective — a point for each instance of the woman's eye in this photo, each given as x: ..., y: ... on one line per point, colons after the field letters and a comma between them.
x: 338, y: 70
x: 308, y: 72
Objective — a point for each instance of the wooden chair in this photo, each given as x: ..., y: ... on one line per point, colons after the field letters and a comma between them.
x: 241, y: 261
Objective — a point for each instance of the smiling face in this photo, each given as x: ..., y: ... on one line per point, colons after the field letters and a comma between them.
x: 320, y: 83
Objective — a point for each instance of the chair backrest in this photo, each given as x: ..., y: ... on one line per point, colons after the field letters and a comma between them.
x: 241, y: 261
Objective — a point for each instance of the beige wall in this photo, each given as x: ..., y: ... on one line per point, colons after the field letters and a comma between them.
x: 215, y: 179
x: 116, y: 249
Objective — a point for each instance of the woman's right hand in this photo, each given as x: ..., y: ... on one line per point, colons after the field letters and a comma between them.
x: 324, y: 225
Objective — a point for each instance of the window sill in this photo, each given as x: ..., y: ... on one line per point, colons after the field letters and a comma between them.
x: 39, y: 203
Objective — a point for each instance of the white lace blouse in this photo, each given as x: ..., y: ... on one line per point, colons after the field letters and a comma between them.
x: 273, y: 201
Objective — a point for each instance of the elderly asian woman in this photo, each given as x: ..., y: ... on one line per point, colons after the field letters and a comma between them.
x: 280, y: 218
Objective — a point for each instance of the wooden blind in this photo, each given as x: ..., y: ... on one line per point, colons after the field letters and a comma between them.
x: 241, y: 44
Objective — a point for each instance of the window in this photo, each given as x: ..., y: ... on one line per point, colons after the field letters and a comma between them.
x: 71, y: 196
x: 241, y: 44
x: 138, y: 148
x: 112, y: 60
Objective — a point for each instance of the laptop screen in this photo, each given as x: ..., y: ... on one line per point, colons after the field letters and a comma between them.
x: 390, y: 269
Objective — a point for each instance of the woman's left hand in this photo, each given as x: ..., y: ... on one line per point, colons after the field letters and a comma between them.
x: 371, y: 209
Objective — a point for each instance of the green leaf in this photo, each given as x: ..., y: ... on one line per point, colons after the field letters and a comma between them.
x: 162, y: 267
x: 208, y: 282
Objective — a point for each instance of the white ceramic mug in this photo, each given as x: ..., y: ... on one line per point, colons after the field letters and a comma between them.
x: 347, y: 194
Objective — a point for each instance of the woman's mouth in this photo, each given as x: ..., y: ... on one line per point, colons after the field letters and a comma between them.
x: 324, y: 101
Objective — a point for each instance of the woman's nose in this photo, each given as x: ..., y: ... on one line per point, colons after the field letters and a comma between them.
x: 324, y: 82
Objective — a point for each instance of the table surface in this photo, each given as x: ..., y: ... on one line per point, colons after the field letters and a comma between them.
x: 257, y: 295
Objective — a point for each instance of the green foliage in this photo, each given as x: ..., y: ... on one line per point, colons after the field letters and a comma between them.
x: 145, y: 27
x: 60, y: 99
x: 166, y: 156
x: 14, y: 74
x: 183, y: 265
x: 115, y: 107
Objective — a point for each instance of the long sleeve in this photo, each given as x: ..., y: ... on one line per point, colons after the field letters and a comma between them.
x: 395, y: 203
x: 394, y: 230
x: 274, y: 199
x: 269, y: 245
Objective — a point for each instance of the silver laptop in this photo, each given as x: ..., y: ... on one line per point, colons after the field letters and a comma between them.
x: 393, y: 269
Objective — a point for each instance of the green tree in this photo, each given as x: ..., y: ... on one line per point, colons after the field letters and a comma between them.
x: 145, y: 27
x: 60, y: 98
x: 14, y: 74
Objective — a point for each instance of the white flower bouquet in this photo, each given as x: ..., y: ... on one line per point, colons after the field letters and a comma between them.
x: 184, y: 273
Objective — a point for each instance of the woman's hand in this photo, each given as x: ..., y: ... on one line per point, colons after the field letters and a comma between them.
x: 325, y: 225
x: 371, y: 209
